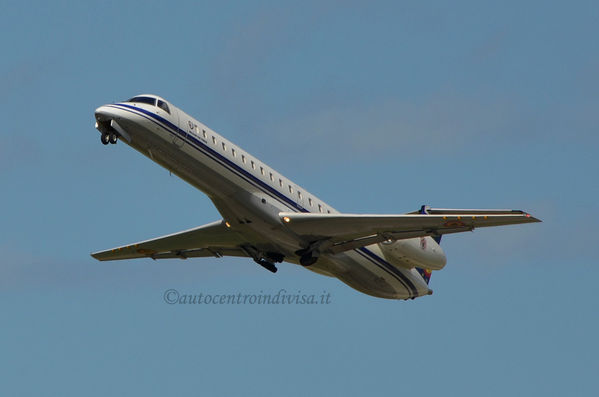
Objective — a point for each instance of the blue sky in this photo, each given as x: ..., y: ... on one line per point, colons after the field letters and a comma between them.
x: 376, y: 108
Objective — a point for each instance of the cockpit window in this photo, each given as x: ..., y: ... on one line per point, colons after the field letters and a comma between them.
x: 162, y: 105
x: 143, y: 99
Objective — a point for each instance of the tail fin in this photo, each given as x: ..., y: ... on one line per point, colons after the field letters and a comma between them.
x: 425, y: 273
x: 425, y: 210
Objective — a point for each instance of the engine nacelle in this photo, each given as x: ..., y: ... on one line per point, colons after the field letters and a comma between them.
x: 423, y: 252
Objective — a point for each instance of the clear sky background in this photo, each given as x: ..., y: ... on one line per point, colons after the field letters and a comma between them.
x: 376, y: 107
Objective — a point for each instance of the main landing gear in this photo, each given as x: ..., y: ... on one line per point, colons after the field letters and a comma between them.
x: 109, y: 137
x: 265, y: 259
x: 268, y: 260
x: 308, y: 257
x: 267, y: 265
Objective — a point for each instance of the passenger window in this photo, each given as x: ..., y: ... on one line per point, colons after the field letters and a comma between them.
x: 214, y: 140
x: 310, y: 201
x: 262, y: 170
x: 290, y: 189
x: 272, y: 178
x: 233, y: 151
x: 281, y: 182
x: 224, y: 147
x: 319, y: 208
x: 253, y: 165
x: 204, y: 133
x: 243, y: 158
x: 299, y: 194
x: 162, y: 105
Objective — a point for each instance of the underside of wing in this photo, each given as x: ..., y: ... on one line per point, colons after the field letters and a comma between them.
x: 342, y: 232
x: 214, y: 239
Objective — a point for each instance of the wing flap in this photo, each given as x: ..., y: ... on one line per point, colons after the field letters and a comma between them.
x: 213, y: 239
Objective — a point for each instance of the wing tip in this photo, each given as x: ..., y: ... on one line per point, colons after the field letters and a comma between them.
x: 531, y: 218
x: 96, y: 255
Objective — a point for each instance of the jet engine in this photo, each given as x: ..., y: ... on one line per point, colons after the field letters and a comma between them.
x: 423, y: 252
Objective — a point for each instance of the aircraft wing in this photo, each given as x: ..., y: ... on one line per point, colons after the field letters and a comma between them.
x: 214, y: 239
x: 342, y: 232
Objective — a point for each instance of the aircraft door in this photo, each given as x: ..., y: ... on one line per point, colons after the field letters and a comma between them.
x: 172, y: 115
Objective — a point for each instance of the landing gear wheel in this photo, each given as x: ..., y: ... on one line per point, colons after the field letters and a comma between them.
x: 105, y: 138
x: 308, y: 260
x: 267, y: 265
x: 113, y: 137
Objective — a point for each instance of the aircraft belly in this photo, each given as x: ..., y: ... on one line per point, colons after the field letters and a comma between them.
x: 364, y: 275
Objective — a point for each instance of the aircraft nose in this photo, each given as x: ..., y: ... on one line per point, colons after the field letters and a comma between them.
x: 104, y: 113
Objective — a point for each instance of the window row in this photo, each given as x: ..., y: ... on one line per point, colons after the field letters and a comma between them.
x: 264, y: 172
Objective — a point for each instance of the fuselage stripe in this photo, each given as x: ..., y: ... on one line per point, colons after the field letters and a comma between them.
x: 383, y: 264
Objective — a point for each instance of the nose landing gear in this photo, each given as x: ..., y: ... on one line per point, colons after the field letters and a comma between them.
x: 109, y: 137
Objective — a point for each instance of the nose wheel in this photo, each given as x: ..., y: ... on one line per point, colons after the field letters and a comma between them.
x: 109, y: 137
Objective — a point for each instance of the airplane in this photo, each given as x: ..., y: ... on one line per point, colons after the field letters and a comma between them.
x: 270, y: 219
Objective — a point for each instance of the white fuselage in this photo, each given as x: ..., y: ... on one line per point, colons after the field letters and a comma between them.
x: 250, y: 195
